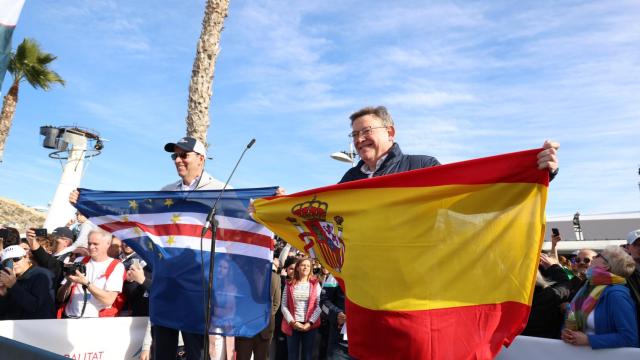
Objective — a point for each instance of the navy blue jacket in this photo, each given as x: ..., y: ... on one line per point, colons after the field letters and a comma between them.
x: 31, y: 297
x: 615, y: 320
x: 395, y: 162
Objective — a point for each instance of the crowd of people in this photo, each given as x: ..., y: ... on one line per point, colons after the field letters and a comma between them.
x: 586, y: 298
x: 81, y: 271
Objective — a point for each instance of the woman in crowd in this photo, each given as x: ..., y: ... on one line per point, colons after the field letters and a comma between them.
x: 26, y: 291
x: 301, y: 311
x: 601, y: 314
x: 552, y: 289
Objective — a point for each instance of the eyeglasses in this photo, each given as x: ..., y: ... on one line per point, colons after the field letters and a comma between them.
x: 364, y: 132
x: 14, y: 260
x: 182, y: 156
x: 602, y: 257
x: 585, y: 261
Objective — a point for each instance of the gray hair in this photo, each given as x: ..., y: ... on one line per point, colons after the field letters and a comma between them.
x: 542, y: 281
x: 105, y: 235
x: 620, y: 262
x: 378, y: 111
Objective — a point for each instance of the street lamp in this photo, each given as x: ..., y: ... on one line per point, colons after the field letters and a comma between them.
x: 346, y: 156
x: 577, y: 228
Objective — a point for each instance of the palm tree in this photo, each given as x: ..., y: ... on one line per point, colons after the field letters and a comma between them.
x: 31, y: 64
x: 203, y: 68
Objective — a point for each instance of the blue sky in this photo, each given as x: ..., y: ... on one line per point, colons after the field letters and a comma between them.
x: 461, y: 79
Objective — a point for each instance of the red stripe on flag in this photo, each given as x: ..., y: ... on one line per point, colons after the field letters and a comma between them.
x: 469, y: 332
x: 240, y: 236
x: 517, y: 167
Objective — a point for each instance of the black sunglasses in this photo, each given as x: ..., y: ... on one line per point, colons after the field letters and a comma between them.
x: 182, y: 156
x: 584, y: 261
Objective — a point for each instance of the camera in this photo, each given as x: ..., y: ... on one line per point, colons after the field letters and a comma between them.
x: 555, y: 231
x: 70, y: 269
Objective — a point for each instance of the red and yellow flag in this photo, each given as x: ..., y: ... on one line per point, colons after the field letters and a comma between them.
x: 437, y: 263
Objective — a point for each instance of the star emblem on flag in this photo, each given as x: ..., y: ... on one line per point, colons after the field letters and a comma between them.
x: 175, y: 218
x: 168, y: 202
x: 171, y: 240
x: 133, y: 204
x: 125, y: 218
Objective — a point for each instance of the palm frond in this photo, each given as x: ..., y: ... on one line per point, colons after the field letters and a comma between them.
x: 31, y: 63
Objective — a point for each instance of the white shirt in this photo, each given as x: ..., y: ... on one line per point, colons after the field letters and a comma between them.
x: 365, y: 168
x: 95, y: 274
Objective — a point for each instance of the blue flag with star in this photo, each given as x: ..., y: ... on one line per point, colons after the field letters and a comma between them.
x: 164, y: 228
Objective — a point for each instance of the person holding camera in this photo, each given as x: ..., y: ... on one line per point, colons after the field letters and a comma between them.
x: 92, y: 283
x: 26, y: 291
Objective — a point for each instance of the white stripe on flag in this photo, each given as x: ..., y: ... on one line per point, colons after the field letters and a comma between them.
x: 224, y: 222
x: 193, y: 243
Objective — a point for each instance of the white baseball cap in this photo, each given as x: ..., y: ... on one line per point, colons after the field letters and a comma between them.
x: 633, y: 236
x: 13, y: 251
x: 187, y: 144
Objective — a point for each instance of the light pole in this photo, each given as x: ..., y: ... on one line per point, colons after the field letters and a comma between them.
x: 346, y: 156
x: 577, y: 228
x: 74, y: 145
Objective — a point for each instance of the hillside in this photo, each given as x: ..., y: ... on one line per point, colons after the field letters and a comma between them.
x: 19, y: 216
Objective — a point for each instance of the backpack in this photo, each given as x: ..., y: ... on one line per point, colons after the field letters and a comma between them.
x: 118, y: 303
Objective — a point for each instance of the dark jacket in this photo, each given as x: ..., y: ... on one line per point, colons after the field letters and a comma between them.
x: 633, y: 283
x: 395, y: 162
x: 332, y: 303
x: 546, y: 317
x: 48, y: 261
x: 31, y: 297
x: 137, y: 295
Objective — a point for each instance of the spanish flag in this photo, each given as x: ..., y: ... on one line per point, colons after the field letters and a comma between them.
x: 437, y: 263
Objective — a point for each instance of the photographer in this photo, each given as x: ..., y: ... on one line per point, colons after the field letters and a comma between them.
x: 90, y: 290
x: 26, y: 291
x: 63, y: 238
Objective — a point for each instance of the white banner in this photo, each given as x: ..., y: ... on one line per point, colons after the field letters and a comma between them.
x: 81, y: 339
x: 531, y: 348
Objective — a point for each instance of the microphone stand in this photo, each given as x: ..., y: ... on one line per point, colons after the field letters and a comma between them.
x: 212, y: 223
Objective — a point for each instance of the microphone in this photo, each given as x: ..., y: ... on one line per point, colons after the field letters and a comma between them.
x: 211, y: 215
x: 212, y: 223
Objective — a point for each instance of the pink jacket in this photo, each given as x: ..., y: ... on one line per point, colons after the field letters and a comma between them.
x: 286, y: 328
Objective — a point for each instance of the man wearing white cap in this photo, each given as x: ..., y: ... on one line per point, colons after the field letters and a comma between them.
x: 26, y: 291
x: 188, y: 156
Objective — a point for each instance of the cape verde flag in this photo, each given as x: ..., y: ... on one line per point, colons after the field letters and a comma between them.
x: 164, y: 228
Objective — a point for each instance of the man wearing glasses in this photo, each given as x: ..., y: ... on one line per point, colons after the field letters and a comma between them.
x: 188, y: 156
x: 582, y: 262
x: 373, y: 135
x: 26, y: 291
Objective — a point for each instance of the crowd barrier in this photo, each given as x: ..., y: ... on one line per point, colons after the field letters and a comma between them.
x: 530, y: 348
x: 121, y: 338
x: 81, y: 339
